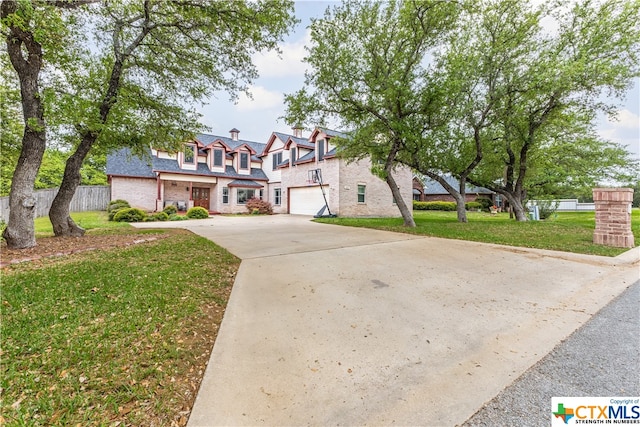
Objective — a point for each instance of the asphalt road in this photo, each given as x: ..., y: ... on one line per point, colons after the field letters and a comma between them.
x: 602, y: 358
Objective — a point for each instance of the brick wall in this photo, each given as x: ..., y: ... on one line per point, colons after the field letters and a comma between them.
x: 297, y: 176
x: 139, y: 192
x: 378, y: 197
x: 613, y: 217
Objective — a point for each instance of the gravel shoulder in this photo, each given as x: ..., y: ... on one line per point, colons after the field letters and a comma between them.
x: 602, y: 358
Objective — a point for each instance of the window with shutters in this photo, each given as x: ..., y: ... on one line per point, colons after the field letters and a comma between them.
x: 277, y: 159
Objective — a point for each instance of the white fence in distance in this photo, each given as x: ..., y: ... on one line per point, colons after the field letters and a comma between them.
x: 571, y: 205
x: 87, y: 198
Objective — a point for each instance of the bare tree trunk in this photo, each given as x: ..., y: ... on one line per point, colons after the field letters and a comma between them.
x: 59, y: 213
x: 407, y: 215
x: 458, y: 195
x: 516, y: 207
x: 63, y: 224
x: 20, y: 231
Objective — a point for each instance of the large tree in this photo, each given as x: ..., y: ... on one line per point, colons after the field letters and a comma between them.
x: 563, y: 76
x: 121, y: 73
x: 34, y: 34
x: 369, y: 74
x: 489, y: 37
x: 158, y: 56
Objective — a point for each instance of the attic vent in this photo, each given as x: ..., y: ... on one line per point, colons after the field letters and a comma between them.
x: 234, y: 134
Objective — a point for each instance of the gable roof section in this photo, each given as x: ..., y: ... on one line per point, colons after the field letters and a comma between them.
x: 330, y: 133
x: 207, y: 140
x: 300, y: 142
x: 270, y: 142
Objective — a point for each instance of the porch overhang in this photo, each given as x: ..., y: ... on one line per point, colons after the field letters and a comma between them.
x: 245, y: 184
x: 164, y: 176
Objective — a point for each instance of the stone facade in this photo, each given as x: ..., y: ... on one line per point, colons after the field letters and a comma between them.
x: 613, y: 217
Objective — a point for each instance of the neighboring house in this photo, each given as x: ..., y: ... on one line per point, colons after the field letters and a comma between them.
x: 222, y: 173
x: 428, y: 190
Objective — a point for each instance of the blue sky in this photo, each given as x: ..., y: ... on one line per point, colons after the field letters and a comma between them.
x: 257, y: 118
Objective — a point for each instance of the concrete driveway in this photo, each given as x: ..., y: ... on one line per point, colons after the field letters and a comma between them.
x: 330, y: 325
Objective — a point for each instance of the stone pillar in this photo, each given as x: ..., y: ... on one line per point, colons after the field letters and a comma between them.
x: 613, y: 217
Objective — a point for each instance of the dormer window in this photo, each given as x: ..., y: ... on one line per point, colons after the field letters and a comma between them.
x: 244, y: 160
x: 189, y: 154
x: 293, y: 156
x: 218, y: 157
x: 320, y: 145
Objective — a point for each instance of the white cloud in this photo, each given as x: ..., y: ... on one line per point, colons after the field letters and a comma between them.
x: 625, y: 119
x: 289, y: 63
x: 263, y: 99
x: 622, y: 129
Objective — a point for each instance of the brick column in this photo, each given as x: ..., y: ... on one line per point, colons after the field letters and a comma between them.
x: 613, y: 217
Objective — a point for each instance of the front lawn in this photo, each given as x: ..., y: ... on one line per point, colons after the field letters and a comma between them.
x: 111, y: 337
x: 566, y: 231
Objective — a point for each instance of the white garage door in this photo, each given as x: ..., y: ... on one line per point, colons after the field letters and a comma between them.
x: 307, y: 200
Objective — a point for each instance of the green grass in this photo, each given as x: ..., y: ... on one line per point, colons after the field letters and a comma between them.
x: 107, y: 336
x: 93, y: 221
x: 566, y: 231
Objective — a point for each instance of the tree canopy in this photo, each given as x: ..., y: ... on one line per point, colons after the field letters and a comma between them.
x: 514, y: 88
x: 124, y: 73
x: 369, y: 75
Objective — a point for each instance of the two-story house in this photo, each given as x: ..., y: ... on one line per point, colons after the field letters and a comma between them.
x: 222, y: 173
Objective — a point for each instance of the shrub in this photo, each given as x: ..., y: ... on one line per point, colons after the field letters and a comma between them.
x: 176, y: 217
x: 197, y: 212
x: 257, y: 206
x: 115, y: 206
x: 130, y: 215
x: 161, y: 216
x: 546, y: 208
x: 170, y: 209
x: 158, y: 216
x: 434, y: 206
x: 3, y: 226
x: 485, y: 203
x: 473, y: 206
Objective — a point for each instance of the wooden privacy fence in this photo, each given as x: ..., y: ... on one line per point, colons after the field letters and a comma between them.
x: 87, y: 198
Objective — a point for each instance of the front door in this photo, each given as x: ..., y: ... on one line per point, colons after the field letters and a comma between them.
x: 201, y: 197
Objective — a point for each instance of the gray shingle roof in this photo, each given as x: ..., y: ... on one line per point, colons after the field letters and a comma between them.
x: 207, y: 140
x: 434, y: 187
x: 122, y: 162
x: 309, y: 156
x: 330, y: 133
